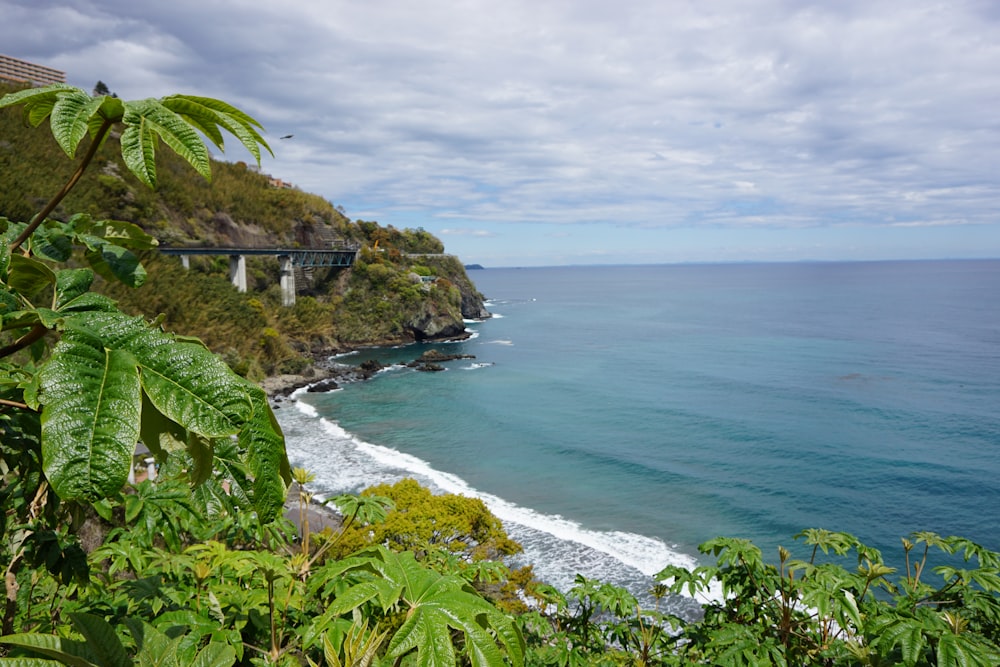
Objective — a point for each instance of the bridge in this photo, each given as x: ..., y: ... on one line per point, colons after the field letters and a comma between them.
x: 289, y: 258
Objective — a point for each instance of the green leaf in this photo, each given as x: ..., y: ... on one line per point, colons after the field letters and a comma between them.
x: 264, y: 444
x: 4, y: 255
x: 90, y: 416
x: 116, y: 263
x: 52, y: 243
x: 187, y: 383
x: 29, y: 662
x: 102, y: 640
x: 72, y: 283
x: 70, y: 116
x: 9, y: 304
x: 90, y: 301
x: 125, y: 234
x: 139, y: 152
x: 215, y: 654
x: 191, y: 386
x: 202, y: 455
x: 160, y: 434
x: 35, y: 95
x: 151, y: 117
x: 112, y: 109
x: 206, y: 114
x: 69, y: 652
x: 28, y: 276
x: 433, y: 644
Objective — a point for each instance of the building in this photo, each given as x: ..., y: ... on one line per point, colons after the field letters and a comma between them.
x: 21, y: 71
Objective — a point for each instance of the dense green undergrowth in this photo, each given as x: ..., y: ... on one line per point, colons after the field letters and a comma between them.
x: 201, y: 567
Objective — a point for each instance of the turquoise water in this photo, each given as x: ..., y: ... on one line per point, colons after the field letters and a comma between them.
x: 615, y: 417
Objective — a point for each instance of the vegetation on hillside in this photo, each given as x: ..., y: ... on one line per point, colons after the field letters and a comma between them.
x: 375, y: 302
x: 199, y: 567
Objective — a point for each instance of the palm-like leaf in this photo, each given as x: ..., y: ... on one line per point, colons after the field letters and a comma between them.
x: 435, y: 605
x: 148, y: 120
x: 209, y: 114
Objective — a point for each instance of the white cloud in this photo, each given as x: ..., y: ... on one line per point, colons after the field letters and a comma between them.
x: 779, y: 114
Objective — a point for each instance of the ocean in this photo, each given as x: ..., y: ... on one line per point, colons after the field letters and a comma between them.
x: 614, y: 417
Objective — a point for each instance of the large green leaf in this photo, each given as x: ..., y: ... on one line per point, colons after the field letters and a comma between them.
x: 206, y: 114
x: 29, y: 662
x: 152, y: 119
x: 28, y: 276
x: 161, y: 435
x: 187, y: 383
x: 139, y: 152
x: 90, y: 416
x: 264, y: 445
x: 191, y: 386
x: 215, y: 654
x: 70, y: 116
x: 72, y: 283
x: 89, y: 301
x: 116, y: 263
x: 435, y: 605
x: 102, y: 640
x: 71, y: 652
x: 51, y: 242
x: 425, y: 633
x: 125, y: 234
x: 35, y: 96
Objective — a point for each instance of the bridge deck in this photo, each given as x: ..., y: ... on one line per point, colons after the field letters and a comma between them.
x: 299, y: 256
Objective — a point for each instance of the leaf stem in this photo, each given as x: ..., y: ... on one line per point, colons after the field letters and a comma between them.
x: 14, y: 404
x: 51, y: 206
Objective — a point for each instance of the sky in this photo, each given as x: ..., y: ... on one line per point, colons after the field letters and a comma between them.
x: 552, y: 132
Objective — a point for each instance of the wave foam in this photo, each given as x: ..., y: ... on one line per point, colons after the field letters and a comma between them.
x: 558, y: 547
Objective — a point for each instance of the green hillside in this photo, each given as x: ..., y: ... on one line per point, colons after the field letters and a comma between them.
x: 381, y: 300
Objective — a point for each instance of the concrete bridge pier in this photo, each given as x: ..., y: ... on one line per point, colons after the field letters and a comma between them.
x: 238, y: 272
x: 287, y: 280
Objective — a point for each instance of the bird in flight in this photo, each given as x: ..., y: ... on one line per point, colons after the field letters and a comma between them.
x: 287, y: 136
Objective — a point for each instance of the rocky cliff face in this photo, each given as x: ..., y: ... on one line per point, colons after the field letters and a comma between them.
x: 432, y: 324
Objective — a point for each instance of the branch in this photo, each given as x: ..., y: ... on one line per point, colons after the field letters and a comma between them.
x: 51, y: 206
x: 24, y: 341
x: 14, y: 404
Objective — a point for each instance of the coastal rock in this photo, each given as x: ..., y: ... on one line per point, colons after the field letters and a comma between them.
x: 436, y: 356
x: 429, y: 367
x: 473, y: 307
x: 370, y: 367
x: 323, y: 385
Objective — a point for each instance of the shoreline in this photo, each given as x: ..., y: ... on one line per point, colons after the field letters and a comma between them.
x: 327, y: 374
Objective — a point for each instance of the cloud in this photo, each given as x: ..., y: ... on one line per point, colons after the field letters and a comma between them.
x: 778, y: 114
x: 483, y: 233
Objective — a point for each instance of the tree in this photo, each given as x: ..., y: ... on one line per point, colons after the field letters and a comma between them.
x: 71, y: 414
x: 101, y: 88
x: 422, y: 521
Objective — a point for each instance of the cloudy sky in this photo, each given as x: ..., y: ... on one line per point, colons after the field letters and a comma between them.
x: 540, y: 132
